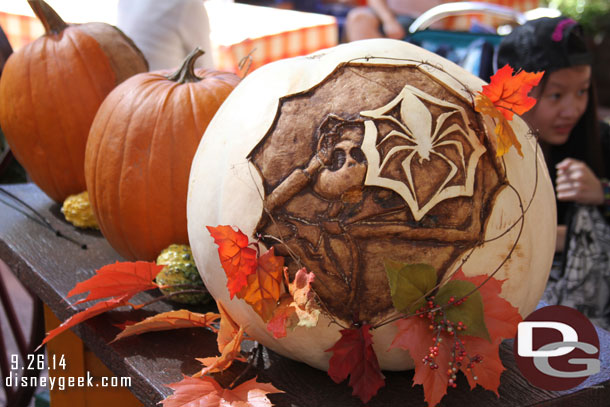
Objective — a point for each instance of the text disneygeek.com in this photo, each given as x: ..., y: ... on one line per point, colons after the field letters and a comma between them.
x: 63, y: 382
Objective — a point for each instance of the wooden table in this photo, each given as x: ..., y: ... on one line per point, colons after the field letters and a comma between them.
x: 51, y: 266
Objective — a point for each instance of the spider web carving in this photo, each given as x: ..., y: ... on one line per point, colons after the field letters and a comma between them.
x: 414, y: 130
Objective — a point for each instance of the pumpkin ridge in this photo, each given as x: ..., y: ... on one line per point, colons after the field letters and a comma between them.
x: 94, y: 197
x: 124, y: 197
x: 161, y: 107
x: 88, y: 68
x: 102, y: 194
x: 175, y: 186
x: 41, y: 133
x: 193, y: 96
x: 64, y: 127
x: 122, y: 200
x: 211, y: 88
x: 92, y: 43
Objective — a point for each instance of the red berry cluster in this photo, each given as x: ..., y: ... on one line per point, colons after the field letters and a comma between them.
x: 439, y: 324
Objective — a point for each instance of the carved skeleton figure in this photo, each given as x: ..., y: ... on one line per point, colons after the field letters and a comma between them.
x: 392, y: 180
x: 346, y: 166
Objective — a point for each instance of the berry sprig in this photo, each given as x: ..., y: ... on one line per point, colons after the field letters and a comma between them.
x: 442, y: 327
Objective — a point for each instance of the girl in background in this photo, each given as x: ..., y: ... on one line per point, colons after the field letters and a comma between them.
x: 576, y: 148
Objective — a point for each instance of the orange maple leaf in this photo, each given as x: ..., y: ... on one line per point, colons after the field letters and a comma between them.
x: 170, y: 320
x: 118, y: 279
x: 228, y: 327
x: 504, y: 96
x: 413, y: 335
x: 250, y: 393
x: 509, y: 93
x: 230, y: 336
x: 90, y: 312
x: 237, y: 259
x: 207, y: 392
x: 490, y: 369
x: 501, y: 319
x: 506, y: 135
x: 230, y: 352
x: 264, y: 286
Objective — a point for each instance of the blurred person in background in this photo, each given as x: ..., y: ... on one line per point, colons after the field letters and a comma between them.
x: 576, y: 148
x: 166, y: 31
x: 385, y: 18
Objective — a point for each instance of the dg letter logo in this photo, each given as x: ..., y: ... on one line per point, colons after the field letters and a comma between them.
x: 557, y: 348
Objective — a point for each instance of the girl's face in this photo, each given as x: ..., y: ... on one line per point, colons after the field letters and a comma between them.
x: 560, y: 104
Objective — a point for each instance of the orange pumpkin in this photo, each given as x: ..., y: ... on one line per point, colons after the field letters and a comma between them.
x: 139, y: 155
x: 50, y: 91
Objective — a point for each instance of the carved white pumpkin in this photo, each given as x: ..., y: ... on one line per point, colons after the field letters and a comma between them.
x: 361, y: 153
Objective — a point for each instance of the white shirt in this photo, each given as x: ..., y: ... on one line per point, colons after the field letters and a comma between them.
x: 166, y: 31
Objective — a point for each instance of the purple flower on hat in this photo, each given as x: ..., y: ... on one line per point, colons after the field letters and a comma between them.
x: 561, y: 26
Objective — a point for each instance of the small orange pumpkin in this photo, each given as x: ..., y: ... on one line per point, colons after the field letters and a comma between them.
x: 139, y: 153
x: 50, y: 91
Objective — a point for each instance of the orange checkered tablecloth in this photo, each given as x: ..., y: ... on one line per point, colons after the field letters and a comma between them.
x: 269, y: 34
x: 236, y: 29
x: 19, y: 29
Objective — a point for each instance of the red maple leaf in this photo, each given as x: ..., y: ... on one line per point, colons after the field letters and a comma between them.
x: 118, y: 279
x: 284, y: 316
x: 121, y: 281
x: 510, y: 93
x: 353, y: 356
x: 90, y: 312
x: 206, y: 392
x: 237, y: 259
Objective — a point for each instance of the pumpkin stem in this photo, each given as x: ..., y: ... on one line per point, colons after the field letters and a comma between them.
x: 186, y: 73
x: 52, y: 22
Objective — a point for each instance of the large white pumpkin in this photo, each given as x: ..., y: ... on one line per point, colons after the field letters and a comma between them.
x: 357, y: 154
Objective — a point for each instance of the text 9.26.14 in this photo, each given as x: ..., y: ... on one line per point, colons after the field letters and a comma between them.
x: 38, y: 361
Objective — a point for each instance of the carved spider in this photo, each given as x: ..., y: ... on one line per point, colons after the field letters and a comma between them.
x: 423, y: 137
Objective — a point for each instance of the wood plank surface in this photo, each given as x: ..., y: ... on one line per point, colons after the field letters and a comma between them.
x: 50, y: 266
